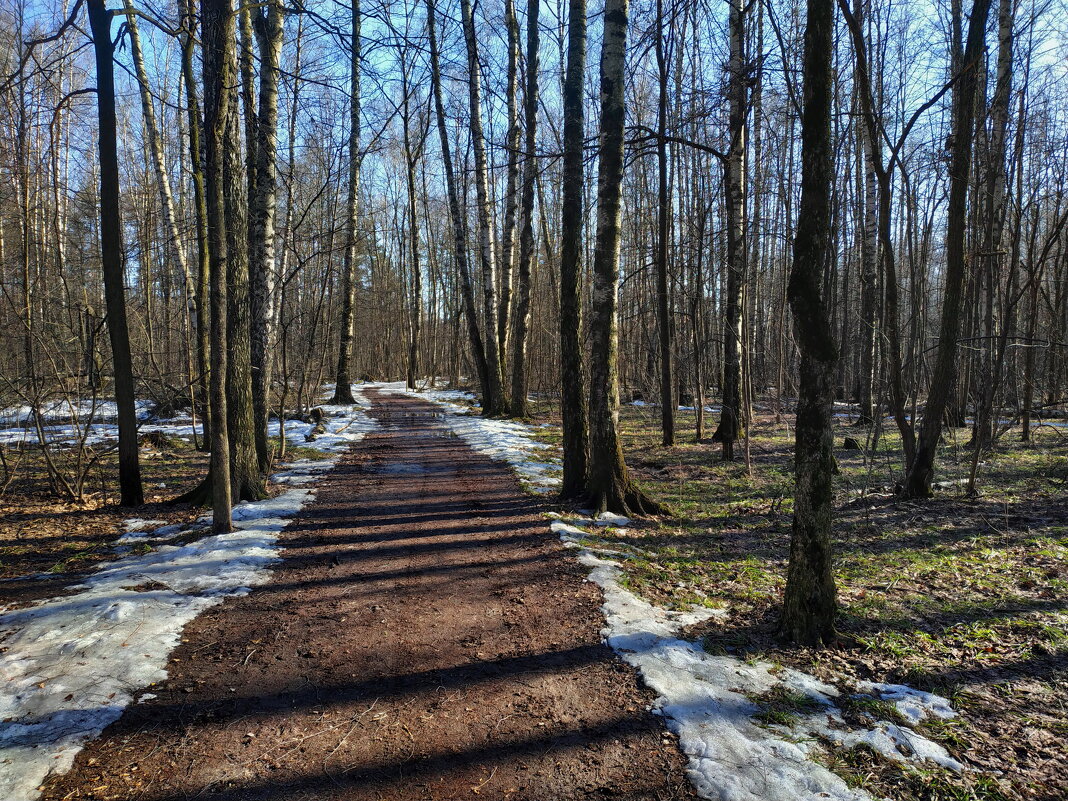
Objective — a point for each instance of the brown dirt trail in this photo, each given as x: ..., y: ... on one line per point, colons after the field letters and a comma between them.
x: 425, y: 637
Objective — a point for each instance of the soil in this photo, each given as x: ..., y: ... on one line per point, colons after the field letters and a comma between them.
x: 425, y: 637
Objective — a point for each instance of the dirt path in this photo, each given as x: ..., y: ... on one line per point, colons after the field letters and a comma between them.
x: 425, y: 638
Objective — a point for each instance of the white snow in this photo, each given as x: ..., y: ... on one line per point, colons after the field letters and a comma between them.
x: 70, y: 665
x: 703, y: 698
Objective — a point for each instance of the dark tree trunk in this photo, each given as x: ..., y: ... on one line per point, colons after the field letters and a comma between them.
x: 494, y: 403
x: 200, y: 209
x: 456, y: 213
x: 246, y: 478
x: 809, y: 601
x: 573, y: 409
x: 921, y: 469
x: 217, y: 35
x: 730, y: 422
x: 130, y: 490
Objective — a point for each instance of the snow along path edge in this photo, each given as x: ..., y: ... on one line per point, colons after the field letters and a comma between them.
x: 703, y: 698
x: 70, y: 665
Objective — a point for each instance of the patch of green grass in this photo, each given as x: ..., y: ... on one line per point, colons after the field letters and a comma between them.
x: 782, y: 706
x: 864, y: 768
x: 868, y: 710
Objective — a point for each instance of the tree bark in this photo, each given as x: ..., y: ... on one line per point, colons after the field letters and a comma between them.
x: 130, y: 489
x: 494, y: 403
x: 663, y: 300
x: 609, y: 486
x: 342, y: 377
x: 246, y: 478
x: 921, y: 470
x: 200, y: 209
x: 268, y: 27
x: 456, y: 214
x: 217, y: 35
x: 573, y: 407
x: 809, y: 601
x: 730, y: 422
x: 511, y: 187
x: 521, y: 319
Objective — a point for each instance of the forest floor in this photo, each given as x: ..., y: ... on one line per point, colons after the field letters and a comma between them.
x: 424, y: 636
x: 963, y: 597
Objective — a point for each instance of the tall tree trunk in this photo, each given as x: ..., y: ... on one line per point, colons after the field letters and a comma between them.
x: 521, y: 320
x: 921, y: 469
x: 809, y: 601
x: 663, y: 300
x: 268, y: 26
x: 130, y: 490
x: 609, y: 486
x: 342, y: 377
x: 217, y: 35
x: 869, y: 255
x: 511, y: 187
x: 246, y: 478
x: 730, y: 422
x: 573, y: 408
x: 456, y: 213
x: 200, y: 209
x: 991, y: 262
x: 494, y: 403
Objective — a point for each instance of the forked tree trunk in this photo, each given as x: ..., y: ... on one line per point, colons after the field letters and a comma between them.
x: 494, y: 403
x: 809, y: 602
x: 609, y: 486
x: 456, y: 213
x: 921, y: 469
x: 342, y: 376
x: 573, y: 408
x: 130, y: 489
x: 217, y: 35
x: 521, y: 320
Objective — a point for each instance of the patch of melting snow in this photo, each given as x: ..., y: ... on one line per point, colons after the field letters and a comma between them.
x: 70, y: 665
x: 704, y: 699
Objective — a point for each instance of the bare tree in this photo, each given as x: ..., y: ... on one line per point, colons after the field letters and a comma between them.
x: 217, y: 35
x: 342, y: 378
x: 921, y: 470
x: 131, y: 492
x: 609, y: 485
x: 573, y: 411
x: 809, y: 601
